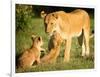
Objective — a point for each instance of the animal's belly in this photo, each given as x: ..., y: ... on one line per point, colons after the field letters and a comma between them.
x: 65, y: 35
x: 76, y: 34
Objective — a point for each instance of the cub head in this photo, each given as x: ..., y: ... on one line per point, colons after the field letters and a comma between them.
x: 57, y: 38
x: 37, y: 40
x: 50, y: 22
x: 55, y: 41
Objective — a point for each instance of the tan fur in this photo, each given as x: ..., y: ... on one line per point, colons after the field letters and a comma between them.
x: 30, y: 55
x: 54, y: 49
x: 69, y: 25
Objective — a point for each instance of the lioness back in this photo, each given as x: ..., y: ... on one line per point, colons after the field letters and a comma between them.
x: 72, y: 23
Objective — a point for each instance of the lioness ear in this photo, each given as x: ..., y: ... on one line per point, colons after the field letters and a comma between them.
x: 43, y: 14
x: 55, y: 15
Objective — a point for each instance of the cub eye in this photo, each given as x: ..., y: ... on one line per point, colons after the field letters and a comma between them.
x: 51, y: 23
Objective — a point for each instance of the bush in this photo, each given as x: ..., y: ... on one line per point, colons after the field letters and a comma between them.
x: 23, y: 16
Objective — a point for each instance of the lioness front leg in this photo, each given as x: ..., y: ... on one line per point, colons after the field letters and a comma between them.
x: 67, y: 50
x: 87, y: 51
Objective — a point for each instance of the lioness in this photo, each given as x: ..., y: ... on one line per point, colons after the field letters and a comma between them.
x: 68, y: 25
x: 30, y: 55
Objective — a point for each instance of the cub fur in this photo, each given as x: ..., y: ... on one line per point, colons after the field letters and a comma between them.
x: 68, y: 25
x: 54, y: 49
x: 31, y: 55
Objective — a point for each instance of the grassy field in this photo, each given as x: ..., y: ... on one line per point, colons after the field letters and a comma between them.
x: 36, y: 26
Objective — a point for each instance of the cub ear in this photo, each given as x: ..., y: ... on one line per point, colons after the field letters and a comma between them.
x: 55, y: 15
x: 39, y: 38
x: 43, y: 14
x: 33, y: 36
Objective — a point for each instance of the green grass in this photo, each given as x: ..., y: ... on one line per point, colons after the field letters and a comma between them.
x: 23, y: 41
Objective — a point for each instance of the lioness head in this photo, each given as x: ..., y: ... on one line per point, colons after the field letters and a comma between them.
x: 50, y: 22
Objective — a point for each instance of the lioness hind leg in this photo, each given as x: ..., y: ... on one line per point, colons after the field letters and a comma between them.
x: 67, y: 50
x: 86, y: 40
x: 81, y: 41
x: 83, y: 47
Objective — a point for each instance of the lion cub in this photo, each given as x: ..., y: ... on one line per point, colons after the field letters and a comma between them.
x: 54, y: 48
x: 31, y: 55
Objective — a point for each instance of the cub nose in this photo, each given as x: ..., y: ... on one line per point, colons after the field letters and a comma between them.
x: 54, y: 32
